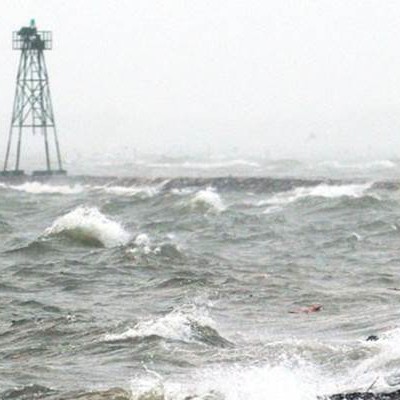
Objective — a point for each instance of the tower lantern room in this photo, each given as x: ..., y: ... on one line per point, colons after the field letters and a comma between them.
x: 33, y: 109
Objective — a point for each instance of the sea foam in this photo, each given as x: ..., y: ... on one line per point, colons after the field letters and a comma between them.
x: 89, y: 225
x: 253, y: 382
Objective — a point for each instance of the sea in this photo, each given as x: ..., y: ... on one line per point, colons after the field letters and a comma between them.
x: 187, y: 279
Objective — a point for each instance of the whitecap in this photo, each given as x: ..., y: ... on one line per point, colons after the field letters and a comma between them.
x: 207, y: 199
x: 42, y: 188
x: 88, y: 224
x: 272, y: 210
x: 178, y: 325
x: 322, y: 190
x: 182, y: 191
x: 375, y: 164
x: 356, y: 236
x: 207, y: 165
x: 145, y: 191
x: 143, y: 245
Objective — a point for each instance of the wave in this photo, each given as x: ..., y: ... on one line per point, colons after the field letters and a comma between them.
x: 42, y: 188
x: 272, y: 210
x: 182, y: 191
x: 27, y: 392
x: 385, y: 361
x: 34, y: 248
x: 207, y: 165
x: 349, y: 239
x: 140, y: 191
x: 207, y: 200
x: 321, y: 191
x: 36, y: 187
x: 5, y: 227
x: 144, y: 246
x: 179, y: 325
x: 253, y: 383
x: 89, y: 226
x: 257, y: 382
x: 181, y: 185
x: 289, y: 376
x: 42, y: 392
x: 376, y: 164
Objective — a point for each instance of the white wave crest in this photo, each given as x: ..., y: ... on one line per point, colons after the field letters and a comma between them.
x: 144, y: 191
x: 142, y: 240
x: 376, y: 164
x: 142, y: 244
x: 207, y: 165
x: 208, y: 199
x: 177, y: 326
x: 182, y: 191
x: 89, y: 225
x: 42, y: 188
x: 272, y: 210
x: 323, y: 190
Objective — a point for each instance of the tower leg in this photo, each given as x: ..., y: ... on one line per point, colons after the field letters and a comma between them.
x: 18, y: 148
x: 8, y: 149
x: 46, y: 146
x: 57, y: 150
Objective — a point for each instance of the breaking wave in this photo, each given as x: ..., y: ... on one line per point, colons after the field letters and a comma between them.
x: 207, y: 200
x: 35, y: 187
x: 385, y: 361
x: 187, y: 186
x: 42, y: 188
x: 89, y: 226
x: 287, y: 376
x: 141, y: 191
x: 322, y: 191
x: 254, y: 382
x: 179, y: 325
x: 144, y: 246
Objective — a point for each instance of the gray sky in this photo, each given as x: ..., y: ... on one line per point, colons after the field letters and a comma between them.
x: 306, y: 78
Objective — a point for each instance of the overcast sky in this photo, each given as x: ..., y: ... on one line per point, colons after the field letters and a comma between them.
x: 278, y: 77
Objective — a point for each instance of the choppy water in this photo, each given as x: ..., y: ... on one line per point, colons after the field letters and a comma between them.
x: 181, y: 288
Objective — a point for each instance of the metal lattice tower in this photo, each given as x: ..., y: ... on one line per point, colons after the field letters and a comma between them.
x: 33, y: 108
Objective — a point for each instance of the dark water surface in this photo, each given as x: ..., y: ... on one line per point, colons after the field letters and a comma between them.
x: 181, y: 288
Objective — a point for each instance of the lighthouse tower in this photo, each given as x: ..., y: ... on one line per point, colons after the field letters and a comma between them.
x: 33, y: 109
